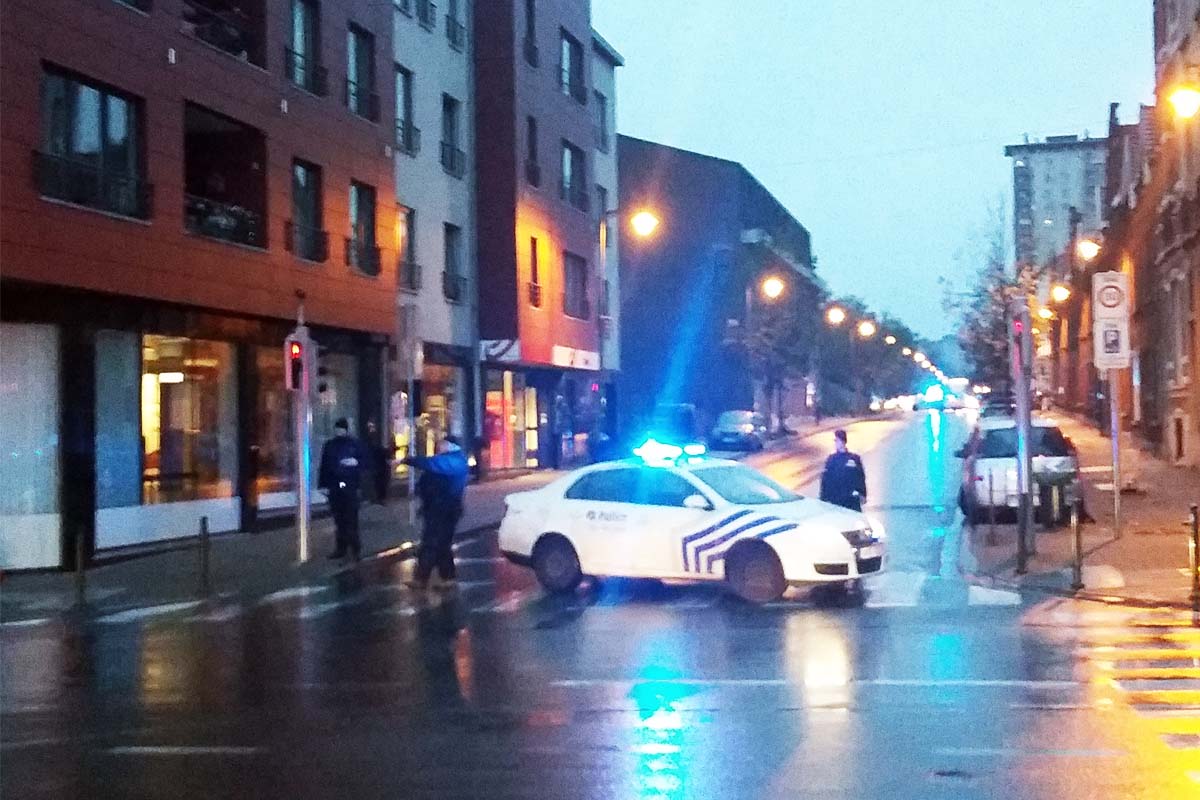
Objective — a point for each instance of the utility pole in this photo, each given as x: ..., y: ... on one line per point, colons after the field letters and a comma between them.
x: 298, y: 361
x: 1021, y: 356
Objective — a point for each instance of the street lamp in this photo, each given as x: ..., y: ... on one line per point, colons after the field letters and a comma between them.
x: 889, y: 339
x: 1060, y: 293
x: 918, y: 357
x: 1185, y: 100
x: 1087, y: 249
x: 907, y: 351
x: 643, y: 223
x: 835, y: 315
x: 772, y: 287
x: 866, y: 329
x: 1045, y: 313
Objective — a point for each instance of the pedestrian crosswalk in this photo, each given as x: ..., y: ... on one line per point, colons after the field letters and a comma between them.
x: 1146, y: 660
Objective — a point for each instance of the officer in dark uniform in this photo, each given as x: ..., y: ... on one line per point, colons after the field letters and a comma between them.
x: 844, y: 483
x: 342, y: 461
x: 443, y: 484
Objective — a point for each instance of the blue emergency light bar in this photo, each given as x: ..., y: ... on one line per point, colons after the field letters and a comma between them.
x: 655, y: 453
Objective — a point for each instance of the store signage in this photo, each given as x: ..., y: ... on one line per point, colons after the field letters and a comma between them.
x: 504, y: 351
x: 570, y: 357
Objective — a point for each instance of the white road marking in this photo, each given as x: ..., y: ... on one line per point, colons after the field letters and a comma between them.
x: 897, y: 682
x: 509, y: 603
x: 293, y: 592
x: 32, y: 743
x: 1102, y: 576
x: 223, y: 614
x: 1003, y: 752
x: 896, y: 590
x: 1095, y: 469
x: 471, y: 561
x: 25, y: 623
x: 972, y: 682
x: 984, y: 596
x: 183, y: 750
x: 135, y: 614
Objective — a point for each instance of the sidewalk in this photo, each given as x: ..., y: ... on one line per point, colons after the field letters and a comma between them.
x: 246, y: 564
x: 1147, y: 565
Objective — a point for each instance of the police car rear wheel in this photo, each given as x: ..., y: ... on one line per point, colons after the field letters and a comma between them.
x: 556, y: 564
x: 754, y: 573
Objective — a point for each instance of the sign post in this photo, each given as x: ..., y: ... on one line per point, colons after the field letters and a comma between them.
x: 1021, y: 354
x: 298, y: 361
x: 1110, y: 337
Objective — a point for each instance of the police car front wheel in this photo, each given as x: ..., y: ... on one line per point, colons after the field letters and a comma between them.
x: 754, y: 573
x: 556, y: 564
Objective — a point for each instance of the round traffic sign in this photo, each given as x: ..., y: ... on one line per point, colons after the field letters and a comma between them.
x: 1112, y: 296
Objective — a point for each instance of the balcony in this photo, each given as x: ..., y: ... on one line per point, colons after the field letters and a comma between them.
x: 306, y: 73
x: 529, y: 46
x: 362, y: 101
x: 408, y: 137
x: 577, y: 307
x: 456, y: 33
x: 236, y: 27
x: 225, y: 221
x: 533, y: 173
x: 535, y: 294
x: 311, y: 244
x: 427, y: 14
x: 454, y: 161
x: 410, y: 276
x: 454, y: 287
x: 363, y: 255
x: 575, y: 194
x: 87, y: 185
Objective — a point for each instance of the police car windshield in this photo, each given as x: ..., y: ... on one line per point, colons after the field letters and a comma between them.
x: 744, y: 486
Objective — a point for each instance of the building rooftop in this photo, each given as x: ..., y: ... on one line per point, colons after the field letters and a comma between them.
x: 601, y: 46
x: 1051, y: 143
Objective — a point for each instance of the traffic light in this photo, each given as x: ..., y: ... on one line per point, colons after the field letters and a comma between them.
x: 322, y: 371
x: 293, y: 355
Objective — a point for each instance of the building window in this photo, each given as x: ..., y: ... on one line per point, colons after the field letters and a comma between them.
x: 405, y: 7
x: 225, y: 182
x: 303, y: 57
x: 529, y: 44
x: 307, y: 237
x: 453, y: 281
x: 602, y: 137
x: 189, y: 419
x: 602, y: 215
x: 454, y: 160
x: 410, y: 268
x: 236, y: 27
x: 535, y: 284
x: 456, y: 31
x: 360, y: 74
x: 408, y: 135
x: 533, y: 170
x: 575, y: 299
x: 361, y: 251
x: 572, y: 82
x: 573, y: 187
x: 92, y: 149
x: 427, y: 14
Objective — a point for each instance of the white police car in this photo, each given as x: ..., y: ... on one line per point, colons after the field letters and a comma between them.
x: 678, y: 516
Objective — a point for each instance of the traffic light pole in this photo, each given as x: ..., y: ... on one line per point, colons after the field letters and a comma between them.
x: 1021, y: 356
x: 299, y: 359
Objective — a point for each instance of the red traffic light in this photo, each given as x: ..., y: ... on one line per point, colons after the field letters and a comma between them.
x: 1018, y: 326
x: 293, y: 354
x: 295, y: 349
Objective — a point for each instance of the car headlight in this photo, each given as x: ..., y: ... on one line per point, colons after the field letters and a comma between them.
x: 876, y: 528
x: 747, y: 428
x: 859, y: 538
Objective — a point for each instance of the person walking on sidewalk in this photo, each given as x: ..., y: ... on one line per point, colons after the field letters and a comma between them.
x: 342, y: 462
x: 441, y: 488
x: 844, y: 482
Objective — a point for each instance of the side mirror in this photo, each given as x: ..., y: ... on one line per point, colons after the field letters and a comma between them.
x: 697, y: 501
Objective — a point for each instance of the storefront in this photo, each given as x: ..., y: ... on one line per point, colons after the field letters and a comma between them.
x: 170, y: 415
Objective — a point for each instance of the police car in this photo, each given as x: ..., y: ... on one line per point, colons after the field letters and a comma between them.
x: 675, y: 515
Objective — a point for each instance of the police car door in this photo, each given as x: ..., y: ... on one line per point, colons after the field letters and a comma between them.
x: 659, y: 519
x: 595, y: 513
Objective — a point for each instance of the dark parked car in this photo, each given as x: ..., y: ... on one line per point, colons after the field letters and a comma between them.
x: 738, y: 430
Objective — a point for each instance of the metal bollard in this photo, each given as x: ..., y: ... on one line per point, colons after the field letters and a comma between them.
x: 1194, y: 547
x: 1076, y: 546
x: 80, y: 569
x: 991, y: 537
x: 204, y: 556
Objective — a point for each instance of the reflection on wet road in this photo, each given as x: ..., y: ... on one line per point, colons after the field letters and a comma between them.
x: 932, y: 688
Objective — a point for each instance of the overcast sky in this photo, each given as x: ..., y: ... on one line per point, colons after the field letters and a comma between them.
x: 880, y: 125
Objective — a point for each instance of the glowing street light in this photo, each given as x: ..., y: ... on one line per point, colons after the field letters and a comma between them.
x: 1087, y: 249
x: 918, y: 357
x: 644, y: 223
x: 1045, y: 313
x: 907, y: 351
x: 866, y: 329
x: 836, y: 315
x: 1060, y: 294
x: 772, y: 287
x: 1186, y: 101
x: 889, y: 339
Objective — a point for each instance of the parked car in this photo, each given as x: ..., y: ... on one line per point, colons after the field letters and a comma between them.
x: 738, y: 430
x: 990, y: 465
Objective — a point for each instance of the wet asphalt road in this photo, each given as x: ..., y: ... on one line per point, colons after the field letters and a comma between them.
x: 931, y: 688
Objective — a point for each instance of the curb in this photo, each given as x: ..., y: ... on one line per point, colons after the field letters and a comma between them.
x: 994, y: 581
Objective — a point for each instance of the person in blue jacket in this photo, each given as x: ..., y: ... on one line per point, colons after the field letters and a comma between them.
x: 441, y: 488
x: 844, y: 482
x: 342, y: 461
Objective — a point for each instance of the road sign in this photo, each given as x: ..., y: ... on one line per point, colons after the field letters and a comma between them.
x: 1110, y: 320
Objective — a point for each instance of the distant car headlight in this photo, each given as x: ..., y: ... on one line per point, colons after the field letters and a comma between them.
x: 747, y: 428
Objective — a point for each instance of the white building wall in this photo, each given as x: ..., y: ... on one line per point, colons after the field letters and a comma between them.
x: 1061, y: 179
x: 421, y: 182
x: 604, y: 82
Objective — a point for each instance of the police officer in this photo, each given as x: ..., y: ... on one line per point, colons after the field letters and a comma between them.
x: 442, y: 486
x: 844, y: 483
x: 342, y: 461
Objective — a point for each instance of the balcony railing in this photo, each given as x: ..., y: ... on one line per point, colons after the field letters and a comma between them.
x: 306, y: 73
x: 533, y: 173
x: 456, y: 33
x: 427, y: 14
x: 363, y: 255
x: 530, y: 47
x: 362, y: 101
x: 535, y: 294
x: 405, y: 7
x: 408, y: 137
x: 225, y: 221
x: 229, y: 29
x: 87, y: 185
x: 454, y: 161
x: 311, y: 244
x: 454, y: 286
x: 577, y: 307
x: 576, y: 194
x: 410, y: 276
